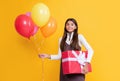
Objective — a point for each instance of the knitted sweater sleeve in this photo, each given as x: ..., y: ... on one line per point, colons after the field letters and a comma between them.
x: 57, y: 56
x: 87, y: 46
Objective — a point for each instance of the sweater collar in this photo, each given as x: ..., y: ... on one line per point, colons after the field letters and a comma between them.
x: 69, y: 38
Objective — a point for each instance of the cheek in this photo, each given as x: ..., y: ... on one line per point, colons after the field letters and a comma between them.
x: 74, y: 27
x: 67, y: 27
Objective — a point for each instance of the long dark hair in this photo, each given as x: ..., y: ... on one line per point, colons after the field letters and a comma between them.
x: 74, y: 43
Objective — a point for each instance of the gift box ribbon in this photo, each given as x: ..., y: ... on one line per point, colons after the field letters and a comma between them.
x: 78, y: 57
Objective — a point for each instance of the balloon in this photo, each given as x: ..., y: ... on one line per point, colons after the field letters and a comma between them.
x: 49, y: 28
x: 35, y: 27
x: 34, y: 30
x: 24, y: 25
x: 28, y: 14
x: 40, y: 14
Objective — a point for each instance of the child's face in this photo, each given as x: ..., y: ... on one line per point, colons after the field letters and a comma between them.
x: 70, y: 26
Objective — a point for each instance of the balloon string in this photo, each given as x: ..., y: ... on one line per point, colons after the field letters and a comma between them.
x: 41, y: 43
x: 42, y: 69
x: 38, y: 47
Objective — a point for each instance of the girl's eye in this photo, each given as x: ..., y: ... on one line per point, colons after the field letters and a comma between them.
x: 67, y: 24
x: 72, y: 24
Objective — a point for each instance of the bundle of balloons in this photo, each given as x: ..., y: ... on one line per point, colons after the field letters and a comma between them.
x: 35, y: 24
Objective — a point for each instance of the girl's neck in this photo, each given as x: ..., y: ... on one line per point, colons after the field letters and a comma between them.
x: 70, y: 36
x: 70, y: 33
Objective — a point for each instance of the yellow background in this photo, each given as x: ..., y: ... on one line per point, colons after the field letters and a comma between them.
x: 99, y: 22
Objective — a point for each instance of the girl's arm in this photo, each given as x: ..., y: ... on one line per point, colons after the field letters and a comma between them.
x: 87, y: 46
x: 58, y: 56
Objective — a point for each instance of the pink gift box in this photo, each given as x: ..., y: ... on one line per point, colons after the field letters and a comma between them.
x: 71, y: 64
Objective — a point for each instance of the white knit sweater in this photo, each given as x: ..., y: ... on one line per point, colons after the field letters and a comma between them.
x: 82, y: 41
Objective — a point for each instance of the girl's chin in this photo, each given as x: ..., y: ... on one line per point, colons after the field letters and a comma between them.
x: 70, y: 31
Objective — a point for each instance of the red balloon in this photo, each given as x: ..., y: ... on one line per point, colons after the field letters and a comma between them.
x: 35, y: 26
x: 24, y: 25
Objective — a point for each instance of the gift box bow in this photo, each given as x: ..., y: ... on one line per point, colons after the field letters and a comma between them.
x: 80, y: 58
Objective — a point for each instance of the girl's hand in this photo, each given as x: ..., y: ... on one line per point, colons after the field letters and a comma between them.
x: 44, y: 56
x: 85, y: 68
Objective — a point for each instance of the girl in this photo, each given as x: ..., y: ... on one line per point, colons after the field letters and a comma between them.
x: 71, y: 40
